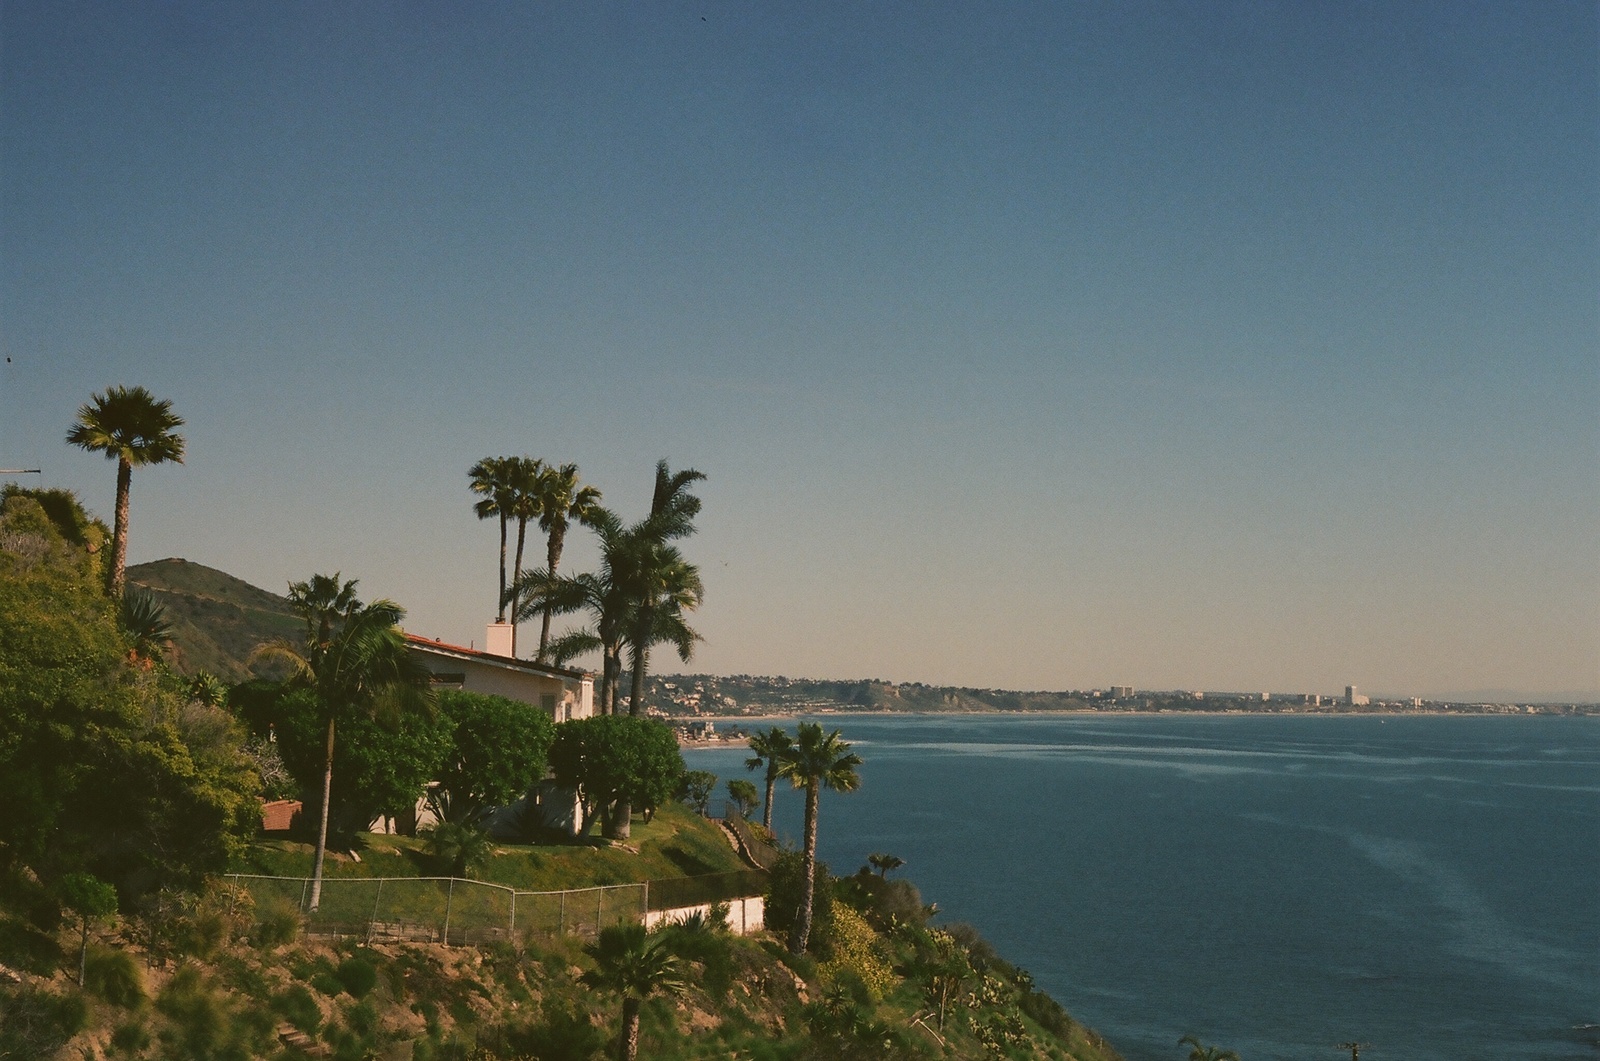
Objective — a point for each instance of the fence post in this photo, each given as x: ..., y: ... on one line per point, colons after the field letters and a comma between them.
x: 513, y: 913
x: 450, y: 898
x: 376, y: 899
x: 561, y: 923
x: 645, y: 913
x: 599, y: 908
x: 305, y: 883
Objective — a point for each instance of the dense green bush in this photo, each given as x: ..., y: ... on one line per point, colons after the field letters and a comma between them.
x: 277, y: 923
x: 130, y: 1037
x: 358, y: 976
x: 783, y: 901
x: 115, y: 976
x: 887, y: 904
x: 297, y: 1007
x: 36, y: 1023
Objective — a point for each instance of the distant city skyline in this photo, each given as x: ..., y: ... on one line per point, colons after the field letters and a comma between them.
x: 1229, y: 346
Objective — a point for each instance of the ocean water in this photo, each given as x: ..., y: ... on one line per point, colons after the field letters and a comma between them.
x: 1428, y: 886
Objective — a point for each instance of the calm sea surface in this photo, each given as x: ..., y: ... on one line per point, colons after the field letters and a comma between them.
x: 1429, y: 886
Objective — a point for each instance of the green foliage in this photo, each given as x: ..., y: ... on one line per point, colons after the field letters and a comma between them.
x: 744, y: 795
x: 461, y: 849
x: 858, y: 952
x: 327, y: 983
x: 380, y: 765
x: 888, y: 904
x: 115, y: 976
x: 145, y: 623
x: 498, y: 749
x: 130, y: 1037
x: 358, y: 975
x: 608, y: 758
x: 784, y: 898
x: 87, y: 895
x: 102, y: 773
x: 35, y: 1022
x: 277, y: 922
x: 297, y: 1007
x: 695, y: 789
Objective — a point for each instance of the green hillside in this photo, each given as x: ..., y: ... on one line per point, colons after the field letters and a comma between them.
x: 217, y: 619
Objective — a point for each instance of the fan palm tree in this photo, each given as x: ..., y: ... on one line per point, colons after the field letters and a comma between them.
x: 360, y: 666
x: 771, y: 749
x: 321, y: 601
x: 492, y: 479
x: 884, y: 863
x: 134, y: 428
x: 817, y: 761
x: 525, y: 479
x: 1201, y: 1052
x: 561, y: 500
x: 635, y: 964
x: 146, y: 624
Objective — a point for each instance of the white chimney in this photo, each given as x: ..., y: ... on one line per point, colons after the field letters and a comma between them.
x: 501, y: 639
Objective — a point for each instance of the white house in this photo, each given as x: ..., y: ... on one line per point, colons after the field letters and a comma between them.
x: 560, y: 693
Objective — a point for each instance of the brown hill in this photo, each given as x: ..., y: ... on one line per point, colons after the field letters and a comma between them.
x: 217, y: 619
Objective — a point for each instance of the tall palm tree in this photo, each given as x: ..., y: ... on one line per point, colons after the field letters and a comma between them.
x: 599, y: 593
x: 1201, y: 1052
x: 817, y: 761
x: 635, y: 964
x: 771, y: 749
x: 492, y: 479
x: 662, y: 587
x: 321, y: 601
x: 561, y: 500
x: 360, y: 666
x: 134, y: 428
x: 525, y: 479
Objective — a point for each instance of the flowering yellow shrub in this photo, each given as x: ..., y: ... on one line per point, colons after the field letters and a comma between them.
x: 856, y: 947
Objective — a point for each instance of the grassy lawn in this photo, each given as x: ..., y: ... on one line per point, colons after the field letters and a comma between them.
x: 677, y: 843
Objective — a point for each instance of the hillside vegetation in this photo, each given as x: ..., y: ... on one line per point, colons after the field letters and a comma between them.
x: 217, y: 620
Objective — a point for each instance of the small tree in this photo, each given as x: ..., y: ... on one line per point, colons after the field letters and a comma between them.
x: 884, y: 863
x: 499, y: 748
x: 634, y: 964
x: 90, y: 898
x: 616, y: 761
x: 696, y: 789
x: 743, y: 794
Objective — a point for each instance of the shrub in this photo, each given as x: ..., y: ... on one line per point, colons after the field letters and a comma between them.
x: 298, y: 1008
x: 358, y: 976
x: 886, y: 903
x: 856, y: 951
x: 36, y: 1023
x: 130, y: 1038
x: 200, y: 1024
x: 277, y: 923
x: 783, y: 901
x: 115, y: 976
x: 327, y: 983
x: 458, y: 847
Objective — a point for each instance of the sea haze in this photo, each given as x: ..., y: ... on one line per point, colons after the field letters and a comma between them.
x: 1276, y: 885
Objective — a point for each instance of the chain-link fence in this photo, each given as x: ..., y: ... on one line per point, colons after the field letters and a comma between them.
x: 459, y: 912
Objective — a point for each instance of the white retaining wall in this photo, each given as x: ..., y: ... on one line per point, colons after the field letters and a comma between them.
x: 745, y: 916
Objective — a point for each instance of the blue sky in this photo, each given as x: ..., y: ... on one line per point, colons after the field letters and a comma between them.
x: 1225, y: 346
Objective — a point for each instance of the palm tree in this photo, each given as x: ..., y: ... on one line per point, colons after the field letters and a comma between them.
x: 771, y: 749
x: 321, y: 601
x: 146, y: 624
x: 492, y: 478
x: 635, y: 964
x: 561, y: 500
x: 600, y: 594
x: 817, y: 761
x: 884, y: 863
x: 360, y: 666
x: 130, y: 426
x: 663, y: 586
x: 525, y: 479
x: 1202, y: 1052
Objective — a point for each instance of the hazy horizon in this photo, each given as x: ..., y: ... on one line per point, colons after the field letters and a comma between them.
x: 1245, y: 347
